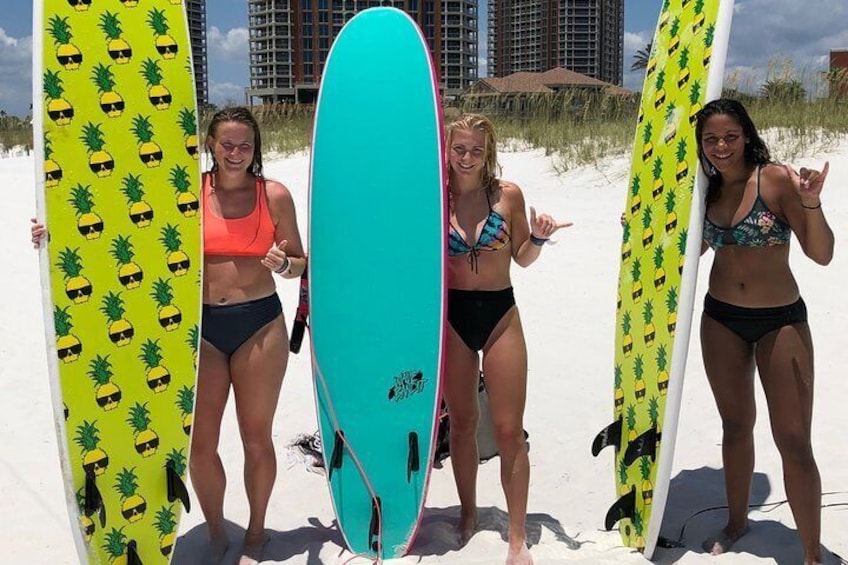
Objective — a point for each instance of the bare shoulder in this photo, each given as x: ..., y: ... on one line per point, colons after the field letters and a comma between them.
x: 277, y: 192
x: 510, y: 193
x: 777, y: 177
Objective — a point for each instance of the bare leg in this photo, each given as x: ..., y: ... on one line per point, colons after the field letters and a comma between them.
x: 729, y: 364
x: 207, y: 471
x: 257, y: 368
x: 460, y: 393
x: 785, y: 361
x: 505, y: 367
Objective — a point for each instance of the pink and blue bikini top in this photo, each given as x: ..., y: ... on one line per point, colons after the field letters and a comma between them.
x: 760, y: 228
x: 493, y: 236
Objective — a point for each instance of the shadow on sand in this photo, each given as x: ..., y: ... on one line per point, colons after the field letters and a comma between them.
x: 437, y: 532
x: 193, y: 546
x: 697, y: 509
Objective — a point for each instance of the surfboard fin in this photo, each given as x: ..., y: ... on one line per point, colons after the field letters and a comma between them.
x: 624, y: 507
x: 375, y: 528
x: 338, y: 453
x: 413, y: 463
x: 645, y: 444
x: 611, y: 435
x: 302, y: 313
x: 93, y: 499
x: 176, y: 486
x: 132, y: 554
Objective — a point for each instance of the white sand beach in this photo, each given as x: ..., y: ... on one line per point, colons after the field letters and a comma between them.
x: 567, y: 302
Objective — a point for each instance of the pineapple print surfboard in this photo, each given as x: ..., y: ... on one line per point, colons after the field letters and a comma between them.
x: 118, y: 174
x: 659, y: 261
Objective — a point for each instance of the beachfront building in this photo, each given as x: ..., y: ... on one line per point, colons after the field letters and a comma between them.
x: 584, y: 36
x: 196, y: 12
x: 290, y: 41
x: 838, y: 74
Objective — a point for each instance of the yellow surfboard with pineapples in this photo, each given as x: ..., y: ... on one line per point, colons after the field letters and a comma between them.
x: 117, y: 172
x: 660, y: 249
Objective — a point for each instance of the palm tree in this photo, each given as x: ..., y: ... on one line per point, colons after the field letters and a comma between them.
x: 783, y: 90
x: 640, y: 59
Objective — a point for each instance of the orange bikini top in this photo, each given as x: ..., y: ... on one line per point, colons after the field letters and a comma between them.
x: 250, y: 235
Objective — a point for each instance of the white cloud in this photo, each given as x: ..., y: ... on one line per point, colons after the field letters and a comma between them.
x: 16, y: 68
x: 634, y: 42
x: 225, y: 93
x: 229, y: 46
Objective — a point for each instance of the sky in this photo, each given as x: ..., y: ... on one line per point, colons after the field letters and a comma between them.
x: 764, y: 34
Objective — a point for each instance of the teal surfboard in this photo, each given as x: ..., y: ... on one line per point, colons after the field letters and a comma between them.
x: 377, y: 276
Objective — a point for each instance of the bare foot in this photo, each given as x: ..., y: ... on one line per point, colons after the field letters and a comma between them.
x: 519, y: 556
x: 467, y: 527
x: 218, y: 547
x: 252, y: 548
x: 723, y: 540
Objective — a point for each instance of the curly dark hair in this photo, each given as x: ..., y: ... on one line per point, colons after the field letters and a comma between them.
x: 756, y: 151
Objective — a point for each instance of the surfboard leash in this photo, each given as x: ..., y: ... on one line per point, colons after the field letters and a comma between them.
x: 341, y: 444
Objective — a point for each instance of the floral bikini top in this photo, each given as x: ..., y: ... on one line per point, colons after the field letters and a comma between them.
x: 760, y: 228
x: 493, y: 236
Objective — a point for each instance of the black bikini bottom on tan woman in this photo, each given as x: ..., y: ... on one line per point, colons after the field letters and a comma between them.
x: 227, y: 327
x: 473, y: 314
x: 751, y: 324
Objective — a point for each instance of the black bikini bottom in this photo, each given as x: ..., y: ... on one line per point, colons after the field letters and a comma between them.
x: 227, y: 327
x: 751, y: 324
x: 473, y: 314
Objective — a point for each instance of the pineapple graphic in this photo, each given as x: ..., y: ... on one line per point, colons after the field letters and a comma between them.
x: 100, y: 162
x: 659, y: 272
x: 119, y: 50
x: 146, y: 440
x: 662, y: 374
x: 140, y: 212
x: 129, y: 273
x: 77, y: 287
x: 647, y: 485
x: 68, y: 346
x: 129, y: 3
x: 166, y: 46
x: 627, y: 340
x: 166, y: 525
x: 630, y: 422
x: 187, y: 202
x: 682, y: 165
x: 650, y: 331
x: 68, y: 54
x: 639, y: 528
x: 647, y: 145
x: 639, y: 386
x: 618, y: 300
x: 635, y: 198
x: 636, y: 287
x: 120, y: 329
x: 157, y: 93
x: 671, y: 119
x: 106, y: 393
x: 116, y: 546
x: 681, y: 249
x: 670, y: 214
x: 188, y: 123
x: 671, y: 304
x: 158, y: 376
x: 178, y: 261
x: 674, y: 31
x: 193, y: 341
x: 683, y: 64
x: 647, y: 230
x: 659, y: 185
x: 52, y: 169
x: 699, y: 19
x: 89, y: 224
x: 169, y: 315
x: 694, y: 102
x: 654, y: 415
x: 80, y: 5
x: 708, y: 44
x: 87, y: 525
x: 659, y: 97
x: 111, y: 102
x: 622, y: 478
x: 133, y: 505
x: 148, y: 151
x: 619, y: 392
x: 94, y: 459
x: 185, y: 402
x: 58, y: 109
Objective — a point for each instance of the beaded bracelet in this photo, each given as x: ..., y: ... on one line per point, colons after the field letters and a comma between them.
x: 284, y: 267
x: 537, y: 240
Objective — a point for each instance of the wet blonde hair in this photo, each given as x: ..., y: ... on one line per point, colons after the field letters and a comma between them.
x: 478, y: 122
